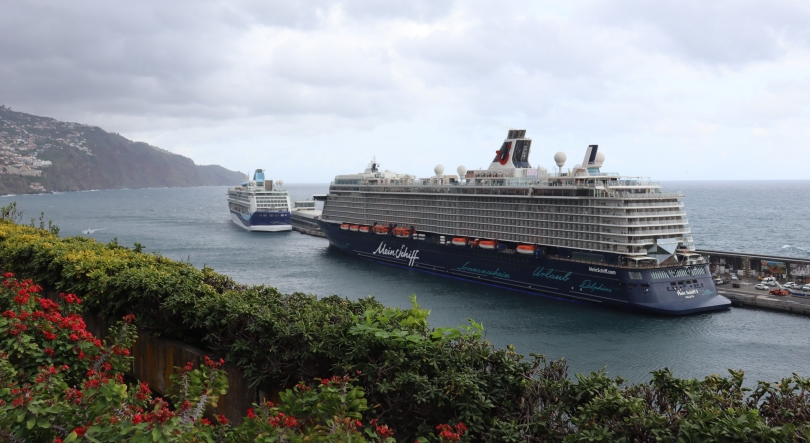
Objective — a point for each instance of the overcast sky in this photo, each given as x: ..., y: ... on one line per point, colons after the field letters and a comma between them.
x: 687, y: 89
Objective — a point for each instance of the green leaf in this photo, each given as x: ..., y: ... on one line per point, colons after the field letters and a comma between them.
x: 156, y: 433
x: 31, y: 422
x: 43, y: 423
x: 71, y: 437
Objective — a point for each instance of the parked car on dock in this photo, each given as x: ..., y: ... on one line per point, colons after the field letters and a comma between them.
x: 761, y: 286
x: 734, y: 277
x: 806, y: 288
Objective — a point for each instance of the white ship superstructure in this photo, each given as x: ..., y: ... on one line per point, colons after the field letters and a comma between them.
x: 583, y: 209
x: 610, y: 236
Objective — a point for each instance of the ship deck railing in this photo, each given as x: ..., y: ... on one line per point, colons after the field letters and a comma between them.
x: 533, y: 189
x: 628, y: 266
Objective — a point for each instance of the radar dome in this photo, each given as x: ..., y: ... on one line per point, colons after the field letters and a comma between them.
x: 280, y: 182
x: 252, y: 183
x: 439, y: 170
x: 462, y: 171
x: 560, y: 158
x: 600, y: 158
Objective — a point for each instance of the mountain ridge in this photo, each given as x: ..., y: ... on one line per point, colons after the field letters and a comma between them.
x: 41, y: 154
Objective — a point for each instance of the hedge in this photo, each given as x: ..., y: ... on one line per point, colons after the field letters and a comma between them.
x: 414, y: 377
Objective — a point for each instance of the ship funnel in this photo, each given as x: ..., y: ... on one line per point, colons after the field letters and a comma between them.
x: 590, y: 156
x: 593, y: 160
x: 258, y: 176
x: 514, y: 152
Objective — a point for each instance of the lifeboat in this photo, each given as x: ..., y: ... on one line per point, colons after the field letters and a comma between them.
x: 380, y: 230
x: 344, y: 226
x: 487, y: 244
x: 402, y: 232
x: 525, y: 249
x: 365, y: 229
x: 460, y: 241
x: 354, y: 228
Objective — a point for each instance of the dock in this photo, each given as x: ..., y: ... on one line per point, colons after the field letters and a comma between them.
x: 303, y: 218
x: 748, y: 267
x: 747, y: 296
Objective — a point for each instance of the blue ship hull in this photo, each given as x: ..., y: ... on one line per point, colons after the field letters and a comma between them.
x: 673, y: 291
x: 270, y: 221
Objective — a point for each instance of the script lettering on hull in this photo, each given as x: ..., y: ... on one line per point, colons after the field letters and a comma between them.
x: 402, y: 252
x: 551, y: 274
x: 495, y: 273
x: 588, y: 285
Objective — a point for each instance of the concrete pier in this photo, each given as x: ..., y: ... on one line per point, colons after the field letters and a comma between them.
x: 747, y: 296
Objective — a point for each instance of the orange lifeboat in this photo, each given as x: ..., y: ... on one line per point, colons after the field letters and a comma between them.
x: 460, y: 241
x: 365, y: 229
x: 402, y: 232
x: 487, y: 244
x: 525, y: 249
x: 345, y: 226
x: 354, y: 228
x: 380, y: 230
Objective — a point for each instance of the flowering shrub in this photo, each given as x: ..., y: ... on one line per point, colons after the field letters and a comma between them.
x: 419, y: 381
x: 58, y: 383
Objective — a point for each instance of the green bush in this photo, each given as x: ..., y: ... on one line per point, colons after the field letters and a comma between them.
x: 414, y: 377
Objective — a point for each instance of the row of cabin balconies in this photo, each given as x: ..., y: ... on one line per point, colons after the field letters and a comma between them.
x: 583, y: 223
x: 478, y: 209
x: 527, y: 206
x: 447, y: 225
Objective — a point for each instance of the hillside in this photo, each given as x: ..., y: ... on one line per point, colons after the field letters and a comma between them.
x: 40, y: 154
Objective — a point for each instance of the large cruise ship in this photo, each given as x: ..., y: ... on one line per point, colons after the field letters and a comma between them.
x: 260, y: 205
x: 578, y: 234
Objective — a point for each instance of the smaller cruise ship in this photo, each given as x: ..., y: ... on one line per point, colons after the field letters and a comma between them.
x: 260, y: 205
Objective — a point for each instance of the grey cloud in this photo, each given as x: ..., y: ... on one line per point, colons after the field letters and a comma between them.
x: 726, y: 32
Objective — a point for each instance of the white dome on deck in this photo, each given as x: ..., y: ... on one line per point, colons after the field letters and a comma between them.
x: 560, y: 158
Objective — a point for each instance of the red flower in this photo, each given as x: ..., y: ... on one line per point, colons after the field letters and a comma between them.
x: 8, y: 275
x: 137, y: 418
x: 9, y: 314
x: 48, y: 351
x: 221, y: 419
x: 250, y: 413
x: 129, y: 318
x: 49, y: 335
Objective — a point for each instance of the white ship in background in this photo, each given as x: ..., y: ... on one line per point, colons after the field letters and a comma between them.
x: 260, y: 205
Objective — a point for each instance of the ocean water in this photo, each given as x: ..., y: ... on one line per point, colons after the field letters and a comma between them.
x: 192, y: 224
